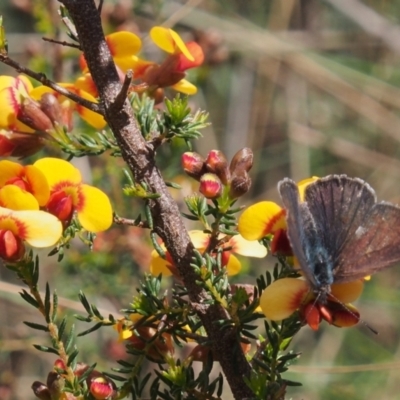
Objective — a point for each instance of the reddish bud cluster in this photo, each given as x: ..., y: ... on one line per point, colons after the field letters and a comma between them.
x: 214, y: 172
x: 100, y: 386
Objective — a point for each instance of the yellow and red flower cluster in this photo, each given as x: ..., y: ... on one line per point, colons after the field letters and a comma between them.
x: 37, y: 201
x: 124, y: 47
x: 26, y: 110
x: 284, y: 296
x: 40, y: 110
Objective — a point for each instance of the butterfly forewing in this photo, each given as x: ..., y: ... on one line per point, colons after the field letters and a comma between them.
x: 339, y: 206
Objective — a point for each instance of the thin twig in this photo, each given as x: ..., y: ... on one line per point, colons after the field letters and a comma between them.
x: 62, y: 43
x: 40, y: 77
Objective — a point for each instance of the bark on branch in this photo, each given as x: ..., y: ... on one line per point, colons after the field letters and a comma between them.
x: 139, y: 156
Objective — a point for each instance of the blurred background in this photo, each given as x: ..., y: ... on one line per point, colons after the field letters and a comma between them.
x: 312, y: 86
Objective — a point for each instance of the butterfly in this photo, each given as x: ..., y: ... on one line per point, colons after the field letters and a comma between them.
x: 339, y: 233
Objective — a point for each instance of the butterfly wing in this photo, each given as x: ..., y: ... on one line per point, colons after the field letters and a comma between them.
x: 374, y: 246
x: 296, y: 218
x: 339, y: 206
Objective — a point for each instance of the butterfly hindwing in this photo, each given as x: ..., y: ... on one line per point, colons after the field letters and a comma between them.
x: 374, y: 246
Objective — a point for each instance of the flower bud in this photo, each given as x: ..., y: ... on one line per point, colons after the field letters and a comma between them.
x: 200, y: 353
x: 41, y: 391
x: 193, y: 164
x: 210, y: 186
x: 20, y: 145
x: 31, y: 114
x: 165, y: 74
x: 240, y: 184
x: 51, y: 107
x: 101, y: 387
x: 242, y: 161
x: 216, y: 163
x: 11, y: 247
x: 59, y: 365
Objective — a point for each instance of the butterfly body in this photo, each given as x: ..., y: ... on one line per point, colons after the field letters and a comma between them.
x: 338, y: 232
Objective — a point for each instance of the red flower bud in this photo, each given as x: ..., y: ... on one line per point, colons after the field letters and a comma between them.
x: 216, y: 163
x: 59, y: 365
x: 241, y: 161
x: 41, y: 391
x: 31, y: 114
x: 210, y: 186
x: 165, y: 74
x: 193, y: 164
x: 11, y: 247
x: 240, y: 185
x: 101, y: 387
x: 51, y: 107
x: 60, y: 204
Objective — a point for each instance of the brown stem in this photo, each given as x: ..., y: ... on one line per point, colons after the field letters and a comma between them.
x: 166, y: 217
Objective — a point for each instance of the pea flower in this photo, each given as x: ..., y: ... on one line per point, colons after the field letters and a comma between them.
x: 37, y: 228
x: 284, y: 296
x: 68, y: 195
x: 235, y: 244
x: 182, y: 56
x: 124, y: 47
x: 22, y: 187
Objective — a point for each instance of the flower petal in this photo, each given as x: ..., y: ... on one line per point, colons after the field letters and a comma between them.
x: 10, y: 104
x: 199, y: 239
x: 162, y: 38
x: 261, y: 219
x: 303, y: 184
x: 184, y: 86
x: 123, y: 43
x: 38, y: 183
x: 233, y: 266
x: 95, y: 212
x: 347, y: 292
x: 345, y: 315
x: 38, y: 228
x: 58, y: 172
x: 198, y: 57
x: 158, y: 265
x: 249, y: 248
x: 15, y: 198
x: 283, y: 297
x: 8, y: 170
